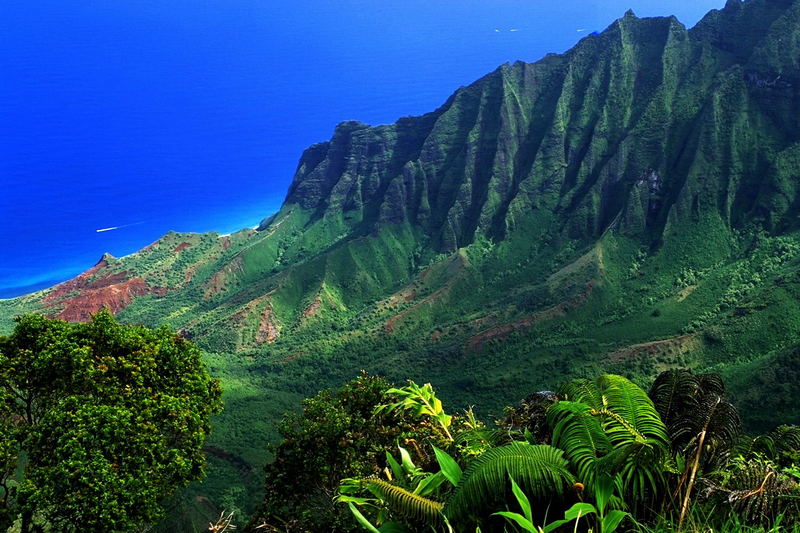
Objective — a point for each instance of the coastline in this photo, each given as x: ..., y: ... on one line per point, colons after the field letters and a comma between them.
x: 50, y: 280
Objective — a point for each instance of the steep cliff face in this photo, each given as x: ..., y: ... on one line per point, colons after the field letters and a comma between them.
x: 644, y: 125
x: 631, y: 204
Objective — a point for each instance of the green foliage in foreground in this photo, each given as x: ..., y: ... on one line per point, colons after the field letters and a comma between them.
x: 611, y: 458
x: 100, y: 423
x: 337, y: 435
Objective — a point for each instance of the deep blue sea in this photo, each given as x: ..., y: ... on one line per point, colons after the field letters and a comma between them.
x: 190, y: 115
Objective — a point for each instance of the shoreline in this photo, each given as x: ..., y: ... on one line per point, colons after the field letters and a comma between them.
x: 47, y: 284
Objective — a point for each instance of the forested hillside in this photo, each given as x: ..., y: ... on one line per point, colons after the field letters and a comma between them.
x: 626, y: 207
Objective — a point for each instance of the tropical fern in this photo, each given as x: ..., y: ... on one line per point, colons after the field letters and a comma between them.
x: 787, y: 444
x: 583, y: 391
x: 756, y: 491
x: 541, y: 470
x: 638, y: 419
x: 781, y: 446
x: 703, y: 426
x: 691, y: 405
x: 580, y: 435
x: 717, y: 420
x: 612, y: 427
x: 403, y: 502
x: 674, y: 394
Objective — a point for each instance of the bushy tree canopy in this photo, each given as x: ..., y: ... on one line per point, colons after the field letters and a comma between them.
x: 337, y: 435
x: 110, y: 418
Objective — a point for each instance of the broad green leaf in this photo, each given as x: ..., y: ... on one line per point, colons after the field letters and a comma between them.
x: 523, y: 501
x: 429, y: 484
x: 362, y: 519
x: 408, y: 464
x: 579, y: 510
x: 612, y: 520
x: 449, y: 466
x: 552, y: 526
x: 523, y: 522
x: 603, y: 490
x: 397, y: 470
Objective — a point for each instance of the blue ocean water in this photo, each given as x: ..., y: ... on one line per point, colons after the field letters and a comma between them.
x: 190, y: 115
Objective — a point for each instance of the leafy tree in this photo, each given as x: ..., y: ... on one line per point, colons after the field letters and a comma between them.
x: 111, y: 420
x: 339, y: 434
x: 9, y: 450
x: 531, y: 416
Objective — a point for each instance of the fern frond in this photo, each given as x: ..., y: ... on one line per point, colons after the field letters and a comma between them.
x: 757, y: 492
x: 624, y: 435
x: 583, y: 391
x: 580, y: 435
x: 540, y: 470
x: 633, y: 406
x: 405, y: 503
x: 711, y: 383
x: 674, y: 394
x: 787, y: 442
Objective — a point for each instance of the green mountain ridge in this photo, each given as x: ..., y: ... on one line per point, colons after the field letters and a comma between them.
x: 627, y: 206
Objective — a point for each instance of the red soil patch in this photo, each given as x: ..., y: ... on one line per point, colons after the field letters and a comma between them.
x: 312, y: 309
x: 267, y: 329
x: 82, y: 281
x: 219, y: 281
x: 181, y: 247
x: 88, y: 293
x: 672, y: 346
x: 476, y: 342
x: 107, y: 294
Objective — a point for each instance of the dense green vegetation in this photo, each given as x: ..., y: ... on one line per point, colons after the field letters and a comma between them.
x: 100, y: 423
x: 600, y: 455
x: 629, y: 206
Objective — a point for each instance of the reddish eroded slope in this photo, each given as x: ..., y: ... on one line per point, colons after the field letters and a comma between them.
x: 477, y: 341
x: 674, y: 346
x: 454, y: 270
x: 313, y: 309
x: 268, y: 330
x: 79, y: 283
x: 181, y: 247
x: 76, y: 300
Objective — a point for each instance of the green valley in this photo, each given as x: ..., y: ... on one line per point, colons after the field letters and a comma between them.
x: 627, y: 207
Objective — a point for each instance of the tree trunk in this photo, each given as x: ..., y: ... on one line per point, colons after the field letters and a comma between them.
x: 689, y: 487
